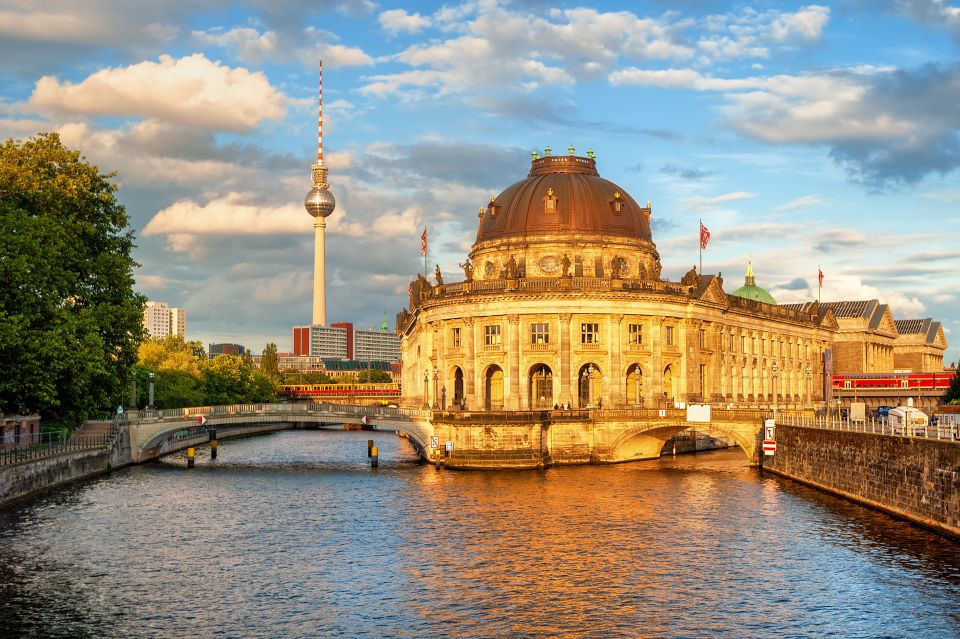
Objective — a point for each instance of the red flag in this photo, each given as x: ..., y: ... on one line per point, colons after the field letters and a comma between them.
x: 410, y: 287
x: 820, y: 276
x: 704, y: 236
x: 423, y: 242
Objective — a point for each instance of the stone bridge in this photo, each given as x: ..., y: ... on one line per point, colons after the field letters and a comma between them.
x: 154, y: 434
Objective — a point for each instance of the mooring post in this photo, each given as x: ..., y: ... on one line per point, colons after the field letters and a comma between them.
x: 213, y: 442
x: 374, y: 457
x: 191, y: 453
x: 369, y: 448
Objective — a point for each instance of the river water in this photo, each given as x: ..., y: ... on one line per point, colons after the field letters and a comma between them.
x: 293, y: 535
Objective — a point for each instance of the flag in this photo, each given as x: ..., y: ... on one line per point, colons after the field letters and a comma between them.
x: 704, y: 236
x: 410, y: 287
x: 820, y: 277
x: 423, y: 242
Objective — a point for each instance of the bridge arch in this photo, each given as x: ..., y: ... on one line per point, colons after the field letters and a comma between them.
x: 645, y: 441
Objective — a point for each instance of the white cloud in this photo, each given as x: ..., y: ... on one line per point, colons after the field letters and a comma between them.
x: 232, y: 214
x: 253, y: 47
x: 804, y: 202
x: 700, y: 203
x: 399, y: 21
x: 50, y: 25
x: 191, y: 90
x: 397, y: 224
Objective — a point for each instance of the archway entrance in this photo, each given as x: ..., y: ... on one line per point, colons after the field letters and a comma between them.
x: 541, y: 387
x: 668, y: 384
x: 494, y: 388
x: 458, y: 386
x: 589, y: 385
x: 634, y: 385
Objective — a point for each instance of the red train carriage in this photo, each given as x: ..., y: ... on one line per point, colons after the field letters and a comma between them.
x: 917, y: 381
x: 339, y: 391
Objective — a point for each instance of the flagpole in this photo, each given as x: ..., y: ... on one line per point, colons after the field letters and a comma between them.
x: 426, y: 249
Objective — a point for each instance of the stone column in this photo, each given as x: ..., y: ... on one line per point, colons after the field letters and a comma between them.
x: 513, y: 357
x: 617, y: 384
x: 565, y: 395
x: 469, y: 367
x: 683, y: 389
x: 655, y: 383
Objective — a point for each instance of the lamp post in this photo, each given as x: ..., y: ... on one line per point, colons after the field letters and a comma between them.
x: 436, y: 377
x: 809, y: 394
x: 150, y: 403
x: 426, y: 388
x: 776, y: 373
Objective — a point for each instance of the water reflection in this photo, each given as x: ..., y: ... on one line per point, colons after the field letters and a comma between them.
x: 293, y: 534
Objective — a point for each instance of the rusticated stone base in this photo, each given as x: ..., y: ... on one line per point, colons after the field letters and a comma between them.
x: 914, y: 479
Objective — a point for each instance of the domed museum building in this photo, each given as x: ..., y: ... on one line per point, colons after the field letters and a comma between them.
x: 561, y: 304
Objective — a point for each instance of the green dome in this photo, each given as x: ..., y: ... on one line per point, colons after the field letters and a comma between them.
x: 750, y: 290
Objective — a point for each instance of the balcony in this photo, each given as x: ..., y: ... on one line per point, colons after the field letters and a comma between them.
x: 541, y: 347
x: 589, y: 346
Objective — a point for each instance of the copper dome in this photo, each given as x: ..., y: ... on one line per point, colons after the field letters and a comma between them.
x: 563, y: 194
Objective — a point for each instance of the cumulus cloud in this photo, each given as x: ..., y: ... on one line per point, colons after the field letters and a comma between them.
x: 232, y: 214
x: 399, y: 21
x: 191, y: 90
x: 253, y: 47
x: 701, y: 203
x: 937, y: 14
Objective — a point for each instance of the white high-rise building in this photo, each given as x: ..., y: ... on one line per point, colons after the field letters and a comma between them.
x: 162, y: 321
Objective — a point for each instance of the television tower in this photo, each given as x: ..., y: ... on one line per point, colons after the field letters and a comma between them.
x: 320, y: 204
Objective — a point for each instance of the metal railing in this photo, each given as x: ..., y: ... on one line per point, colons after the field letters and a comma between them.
x: 942, y: 431
x: 53, y: 447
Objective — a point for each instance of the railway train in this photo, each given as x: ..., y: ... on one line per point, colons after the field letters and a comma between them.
x: 914, y: 381
x: 319, y: 392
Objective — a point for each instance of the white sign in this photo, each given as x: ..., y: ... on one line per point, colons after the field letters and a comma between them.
x: 769, y: 447
x: 364, y: 420
x: 434, y: 442
x: 770, y: 430
x: 202, y: 420
x: 663, y: 413
x: 698, y: 413
x: 449, y: 447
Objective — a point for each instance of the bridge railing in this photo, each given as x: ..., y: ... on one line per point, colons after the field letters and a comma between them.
x: 286, y: 408
x: 51, y: 447
x: 943, y: 431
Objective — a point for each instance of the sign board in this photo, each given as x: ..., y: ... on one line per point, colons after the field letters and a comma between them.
x: 434, y: 442
x: 202, y: 420
x: 769, y: 430
x: 883, y: 412
x: 663, y: 413
x: 769, y: 447
x: 364, y: 420
x: 698, y: 413
x: 449, y: 447
x: 858, y: 411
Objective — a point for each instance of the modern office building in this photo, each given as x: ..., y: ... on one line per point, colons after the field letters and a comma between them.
x: 162, y: 321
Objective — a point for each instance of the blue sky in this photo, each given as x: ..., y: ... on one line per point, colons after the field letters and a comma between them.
x: 804, y: 135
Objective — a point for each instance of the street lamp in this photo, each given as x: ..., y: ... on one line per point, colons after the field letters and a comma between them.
x: 436, y: 377
x: 150, y: 403
x: 776, y: 373
x: 426, y: 388
x: 809, y: 394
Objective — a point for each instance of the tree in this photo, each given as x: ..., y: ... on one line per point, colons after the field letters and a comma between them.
x: 269, y: 363
x: 953, y: 393
x: 70, y: 321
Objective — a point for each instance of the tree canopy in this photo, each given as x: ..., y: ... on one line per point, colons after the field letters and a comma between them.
x: 70, y: 321
x: 952, y: 396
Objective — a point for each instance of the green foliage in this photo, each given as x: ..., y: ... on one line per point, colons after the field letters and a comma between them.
x: 185, y: 377
x: 374, y: 377
x: 293, y: 376
x: 952, y: 395
x: 70, y: 321
x: 269, y: 363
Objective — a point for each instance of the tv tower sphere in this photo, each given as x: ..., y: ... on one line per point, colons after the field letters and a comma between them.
x: 319, y: 202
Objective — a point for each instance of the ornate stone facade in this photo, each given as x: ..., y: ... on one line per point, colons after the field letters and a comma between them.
x: 563, y: 304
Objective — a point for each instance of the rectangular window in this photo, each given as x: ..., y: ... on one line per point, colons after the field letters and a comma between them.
x: 455, y: 338
x: 703, y: 338
x: 733, y: 343
x: 668, y: 335
x: 540, y: 333
x: 743, y: 344
x: 491, y: 335
x: 703, y: 375
x: 589, y: 333
x: 763, y: 346
x: 635, y: 332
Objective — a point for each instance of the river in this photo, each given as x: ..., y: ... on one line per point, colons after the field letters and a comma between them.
x: 293, y: 535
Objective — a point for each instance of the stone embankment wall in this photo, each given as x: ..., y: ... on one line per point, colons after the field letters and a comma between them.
x: 19, y: 481
x: 915, y: 479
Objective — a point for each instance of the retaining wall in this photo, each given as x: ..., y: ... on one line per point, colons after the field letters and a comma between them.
x: 912, y: 478
x: 20, y: 481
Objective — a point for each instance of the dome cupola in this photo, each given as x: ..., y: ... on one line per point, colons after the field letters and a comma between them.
x: 750, y: 290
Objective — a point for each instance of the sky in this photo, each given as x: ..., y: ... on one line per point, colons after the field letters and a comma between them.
x: 804, y: 135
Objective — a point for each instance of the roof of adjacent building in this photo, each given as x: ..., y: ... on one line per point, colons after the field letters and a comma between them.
x: 925, y: 327
x: 583, y: 203
x: 751, y: 291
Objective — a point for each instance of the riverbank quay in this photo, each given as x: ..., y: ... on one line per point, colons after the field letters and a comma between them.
x: 913, y: 478
x: 29, y: 471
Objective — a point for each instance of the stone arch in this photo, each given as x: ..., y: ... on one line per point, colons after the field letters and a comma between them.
x: 634, y: 378
x: 589, y: 385
x: 644, y: 441
x: 493, y: 388
x: 457, y: 375
x: 668, y: 383
x: 540, y: 384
